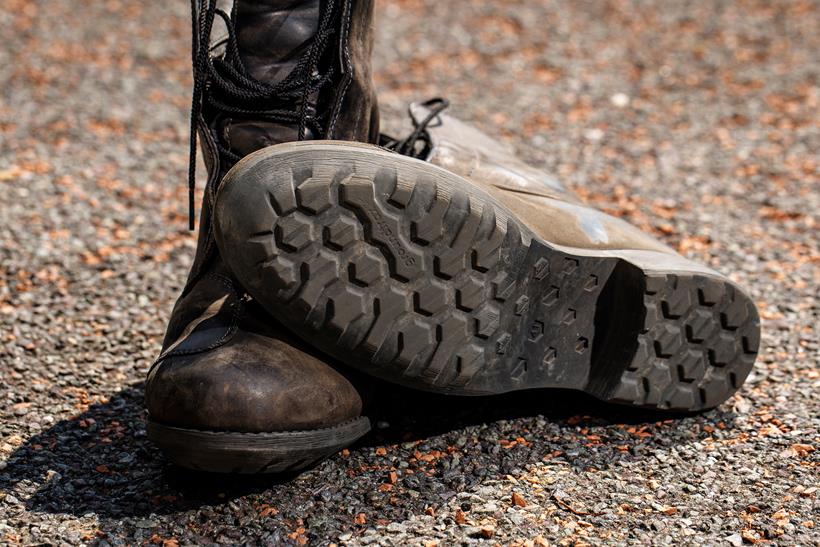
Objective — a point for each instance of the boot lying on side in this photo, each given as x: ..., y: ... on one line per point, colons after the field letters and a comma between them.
x: 465, y: 271
x: 232, y: 391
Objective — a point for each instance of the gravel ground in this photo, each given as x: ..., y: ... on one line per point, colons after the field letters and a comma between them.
x: 695, y: 120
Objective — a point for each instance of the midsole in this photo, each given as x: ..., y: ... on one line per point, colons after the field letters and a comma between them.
x: 648, y: 261
x: 271, y: 439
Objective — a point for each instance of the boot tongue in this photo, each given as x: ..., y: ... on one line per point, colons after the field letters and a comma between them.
x: 272, y: 36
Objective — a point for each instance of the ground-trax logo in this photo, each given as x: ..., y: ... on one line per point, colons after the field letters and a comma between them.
x: 392, y: 238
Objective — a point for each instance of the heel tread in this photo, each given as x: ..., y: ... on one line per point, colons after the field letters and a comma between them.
x: 698, y: 343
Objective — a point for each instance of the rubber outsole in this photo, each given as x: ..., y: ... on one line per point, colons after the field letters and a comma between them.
x: 412, y: 274
x: 235, y: 452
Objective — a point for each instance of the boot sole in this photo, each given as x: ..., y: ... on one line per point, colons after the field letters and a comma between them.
x: 412, y: 274
x: 235, y: 452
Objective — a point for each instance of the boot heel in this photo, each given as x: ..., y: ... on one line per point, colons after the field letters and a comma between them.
x: 695, y: 344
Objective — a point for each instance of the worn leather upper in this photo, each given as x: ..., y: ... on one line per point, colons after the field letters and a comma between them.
x: 225, y: 364
x: 233, y: 369
x: 540, y: 201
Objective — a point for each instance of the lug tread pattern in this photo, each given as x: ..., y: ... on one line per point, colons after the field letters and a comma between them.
x: 553, y: 301
x: 416, y: 279
x: 429, y: 285
x: 698, y: 343
x: 395, y: 271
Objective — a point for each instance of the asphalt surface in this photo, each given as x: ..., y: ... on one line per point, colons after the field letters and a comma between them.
x: 696, y: 120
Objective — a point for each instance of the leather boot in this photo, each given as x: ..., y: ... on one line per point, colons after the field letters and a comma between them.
x: 231, y: 390
x: 468, y: 272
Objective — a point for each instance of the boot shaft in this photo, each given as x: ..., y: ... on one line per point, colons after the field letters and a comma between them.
x: 273, y: 71
x: 286, y: 70
x: 272, y: 38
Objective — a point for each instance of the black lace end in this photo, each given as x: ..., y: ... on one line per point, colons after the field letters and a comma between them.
x: 192, y: 179
x: 191, y: 210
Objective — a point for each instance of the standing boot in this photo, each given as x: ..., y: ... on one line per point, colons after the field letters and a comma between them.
x: 473, y: 273
x: 231, y: 390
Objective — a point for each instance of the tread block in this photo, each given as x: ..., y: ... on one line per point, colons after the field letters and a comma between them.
x: 709, y: 292
x: 668, y: 341
x: 550, y: 355
x: 454, y: 334
x: 522, y: 305
x: 551, y: 296
x: 383, y: 227
x: 263, y: 247
x: 431, y: 226
x: 283, y: 273
x: 401, y: 196
x: 691, y: 366
x: 486, y: 321
x: 592, y: 283
x: 281, y: 196
x: 430, y: 299
x: 469, y: 294
x: 468, y: 363
x: 317, y: 275
x: 414, y: 340
x: 519, y: 370
x: 293, y: 233
x: 581, y: 345
x: 503, y: 343
x: 487, y: 252
x: 453, y: 261
x: 346, y: 307
x: 541, y: 269
x: 367, y: 268
x: 700, y: 326
x: 314, y: 195
x: 536, y: 331
x: 341, y: 233
x: 388, y: 306
x: 503, y: 286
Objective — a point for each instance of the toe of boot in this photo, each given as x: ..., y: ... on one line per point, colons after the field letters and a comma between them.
x: 254, y: 383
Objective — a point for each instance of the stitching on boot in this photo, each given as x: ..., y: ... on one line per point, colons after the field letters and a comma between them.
x: 337, y: 108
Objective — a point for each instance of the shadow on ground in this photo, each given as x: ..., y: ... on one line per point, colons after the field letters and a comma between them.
x: 102, y: 462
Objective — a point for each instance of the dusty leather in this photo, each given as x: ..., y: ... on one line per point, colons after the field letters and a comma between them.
x: 542, y: 203
x: 225, y: 364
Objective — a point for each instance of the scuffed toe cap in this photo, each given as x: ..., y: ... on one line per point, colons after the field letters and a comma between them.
x: 254, y: 383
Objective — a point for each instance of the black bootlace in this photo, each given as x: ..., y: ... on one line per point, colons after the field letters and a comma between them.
x: 408, y: 146
x: 224, y: 84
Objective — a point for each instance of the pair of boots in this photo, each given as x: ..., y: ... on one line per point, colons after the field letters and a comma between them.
x: 439, y: 261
